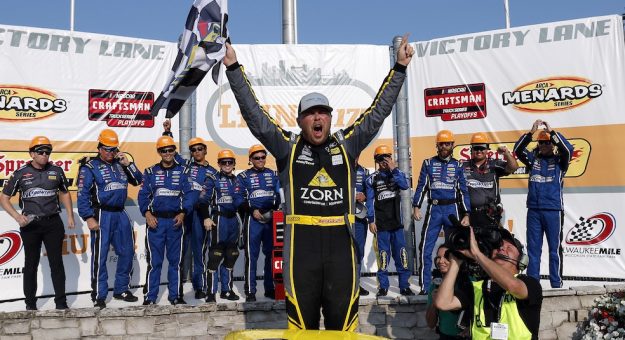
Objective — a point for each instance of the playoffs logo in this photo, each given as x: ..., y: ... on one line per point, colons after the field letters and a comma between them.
x: 457, y: 102
x: 10, y: 247
x: 592, y: 230
x: 121, y: 108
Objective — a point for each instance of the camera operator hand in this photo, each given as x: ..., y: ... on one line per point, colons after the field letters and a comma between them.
x: 474, y: 251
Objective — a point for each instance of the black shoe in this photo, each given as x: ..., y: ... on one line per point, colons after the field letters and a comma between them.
x: 406, y: 292
x: 126, y: 296
x: 100, y: 303
x: 178, y: 301
x: 363, y: 292
x: 148, y: 302
x: 382, y: 292
x: 250, y: 298
x: 270, y: 294
x: 61, y: 306
x: 200, y: 295
x: 423, y: 292
x: 31, y: 306
x: 229, y: 295
x: 210, y: 297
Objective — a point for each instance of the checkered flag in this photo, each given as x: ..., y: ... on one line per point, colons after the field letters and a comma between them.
x: 584, y: 230
x: 201, y: 46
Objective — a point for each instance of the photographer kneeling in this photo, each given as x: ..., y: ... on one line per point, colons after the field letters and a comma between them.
x: 505, y: 306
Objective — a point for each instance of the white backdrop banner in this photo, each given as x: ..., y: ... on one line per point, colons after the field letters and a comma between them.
x: 570, y: 74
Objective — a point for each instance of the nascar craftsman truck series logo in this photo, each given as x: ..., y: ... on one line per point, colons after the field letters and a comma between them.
x: 18, y: 103
x: 121, y: 108
x: 457, y: 102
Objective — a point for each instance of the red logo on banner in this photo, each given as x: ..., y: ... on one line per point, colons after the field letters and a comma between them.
x: 121, y: 108
x: 457, y: 102
x: 592, y: 230
x: 10, y: 246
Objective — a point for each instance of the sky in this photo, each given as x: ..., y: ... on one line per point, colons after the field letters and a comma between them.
x: 319, y: 21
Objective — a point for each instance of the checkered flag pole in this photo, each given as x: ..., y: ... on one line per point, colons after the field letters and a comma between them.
x: 583, y: 230
x: 201, y: 46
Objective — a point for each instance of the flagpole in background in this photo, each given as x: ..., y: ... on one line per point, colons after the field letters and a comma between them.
x: 71, y: 15
x: 289, y: 22
x: 506, y: 7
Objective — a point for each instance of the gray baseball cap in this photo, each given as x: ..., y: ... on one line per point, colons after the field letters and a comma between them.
x: 313, y: 99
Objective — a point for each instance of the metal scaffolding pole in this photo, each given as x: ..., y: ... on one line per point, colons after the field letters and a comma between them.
x: 401, y: 134
x: 289, y: 21
x: 72, y: 7
x: 186, y: 120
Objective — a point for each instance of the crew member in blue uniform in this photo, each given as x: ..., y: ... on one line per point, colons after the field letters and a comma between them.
x: 442, y: 180
x: 385, y: 222
x: 164, y: 199
x: 223, y: 193
x: 196, y: 239
x: 102, y: 192
x: 262, y: 192
x: 545, y: 205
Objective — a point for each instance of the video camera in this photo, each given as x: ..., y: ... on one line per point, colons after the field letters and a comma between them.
x: 487, y: 237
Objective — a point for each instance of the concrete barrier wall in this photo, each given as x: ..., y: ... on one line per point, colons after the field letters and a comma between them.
x: 563, y: 311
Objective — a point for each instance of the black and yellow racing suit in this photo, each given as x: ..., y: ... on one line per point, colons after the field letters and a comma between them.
x: 319, y: 187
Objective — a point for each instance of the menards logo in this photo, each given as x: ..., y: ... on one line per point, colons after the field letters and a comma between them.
x: 552, y: 94
x: 19, y: 103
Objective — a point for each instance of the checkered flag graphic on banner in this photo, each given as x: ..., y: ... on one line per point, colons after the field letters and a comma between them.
x: 201, y: 46
x: 584, y: 230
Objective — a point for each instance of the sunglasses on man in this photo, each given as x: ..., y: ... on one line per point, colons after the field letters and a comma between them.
x: 197, y: 149
x: 544, y: 142
x: 227, y: 162
x: 478, y: 148
x: 109, y: 148
x: 43, y: 152
x: 167, y: 150
x: 258, y: 158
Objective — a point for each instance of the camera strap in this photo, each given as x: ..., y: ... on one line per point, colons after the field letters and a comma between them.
x: 497, y: 330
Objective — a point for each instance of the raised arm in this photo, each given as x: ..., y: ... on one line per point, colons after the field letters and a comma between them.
x: 260, y: 123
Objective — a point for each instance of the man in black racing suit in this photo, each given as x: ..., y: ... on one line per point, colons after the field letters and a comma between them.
x: 319, y: 261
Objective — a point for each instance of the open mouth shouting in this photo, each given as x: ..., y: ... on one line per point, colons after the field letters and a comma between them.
x: 317, y: 130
